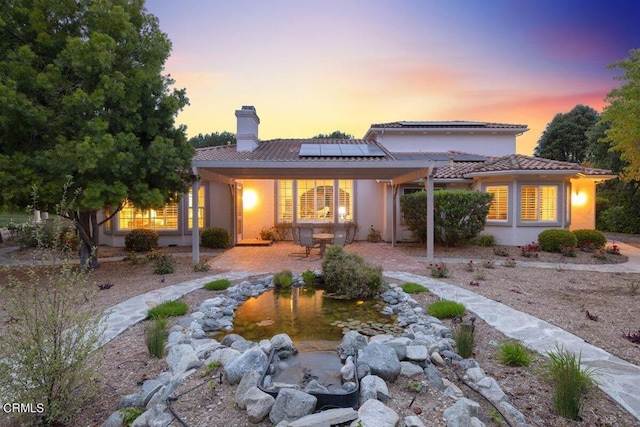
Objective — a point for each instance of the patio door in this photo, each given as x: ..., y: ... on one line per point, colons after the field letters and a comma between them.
x: 239, y: 209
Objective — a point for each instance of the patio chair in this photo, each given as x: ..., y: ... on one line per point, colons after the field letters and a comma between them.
x: 306, y: 240
x: 340, y: 237
x: 295, y: 233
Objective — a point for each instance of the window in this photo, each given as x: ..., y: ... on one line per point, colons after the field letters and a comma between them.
x: 539, y: 203
x: 498, y: 210
x: 200, y: 208
x: 315, y: 200
x: 165, y: 218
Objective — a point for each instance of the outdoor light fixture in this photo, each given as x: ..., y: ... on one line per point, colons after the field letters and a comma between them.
x: 578, y: 198
x: 249, y: 199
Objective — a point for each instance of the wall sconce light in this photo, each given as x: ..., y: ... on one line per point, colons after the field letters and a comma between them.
x: 579, y: 198
x: 249, y: 199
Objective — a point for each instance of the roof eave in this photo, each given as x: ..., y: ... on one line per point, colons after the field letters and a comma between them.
x: 568, y: 172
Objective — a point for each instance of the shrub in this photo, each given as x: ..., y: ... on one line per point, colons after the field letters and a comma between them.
x: 413, y: 288
x: 217, y: 285
x: 348, y: 274
x: 469, y: 266
x: 268, y: 234
x: 168, y: 309
x: 459, y: 215
x: 570, y: 380
x: 282, y: 230
x: 215, y: 238
x: 164, y: 264
x: 509, y: 262
x: 501, y: 251
x: 284, y: 279
x: 463, y: 336
x: 444, y: 309
x: 553, y: 239
x: 568, y: 251
x: 621, y: 219
x: 529, y: 250
x: 613, y: 250
x: 514, y: 353
x: 489, y: 263
x: 309, y: 277
x: 155, y: 336
x: 374, y: 235
x: 595, y: 237
x: 201, y: 266
x: 486, y: 240
x: 439, y: 270
x: 141, y: 240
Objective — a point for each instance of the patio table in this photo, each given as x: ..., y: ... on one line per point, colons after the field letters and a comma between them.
x: 323, y: 239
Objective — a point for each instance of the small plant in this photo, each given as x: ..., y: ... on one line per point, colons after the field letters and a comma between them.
x: 570, y: 380
x: 587, y: 247
x: 268, y: 234
x: 634, y: 288
x: 213, y: 366
x: 414, y: 386
x: 164, y: 264
x: 445, y: 309
x: 489, y: 263
x: 529, y: 250
x: 633, y: 337
x: 514, y: 353
x: 135, y: 259
x: 413, y: 288
x: 463, y: 336
x: 348, y: 274
x: 600, y: 254
x: 282, y: 230
x: 500, y: 251
x: 480, y: 275
x: 155, y: 335
x: 141, y: 240
x: 469, y: 266
x: 613, y: 250
x: 509, y: 262
x: 202, y: 266
x: 217, y: 285
x: 374, y: 235
x: 129, y: 415
x: 309, y: 277
x: 439, y: 270
x: 215, y: 238
x: 486, y: 240
x: 168, y: 309
x: 284, y: 279
x: 568, y: 251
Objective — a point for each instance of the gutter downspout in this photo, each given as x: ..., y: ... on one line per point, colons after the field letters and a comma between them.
x: 195, y: 230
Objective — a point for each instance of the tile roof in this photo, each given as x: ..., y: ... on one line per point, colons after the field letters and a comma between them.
x: 282, y: 150
x: 447, y: 124
x: 519, y: 162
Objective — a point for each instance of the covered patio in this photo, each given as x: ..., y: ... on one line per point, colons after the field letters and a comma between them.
x: 209, y: 164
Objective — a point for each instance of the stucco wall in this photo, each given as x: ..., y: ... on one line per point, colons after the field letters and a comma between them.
x: 263, y: 213
x: 370, y: 207
x: 583, y: 204
x: 485, y: 144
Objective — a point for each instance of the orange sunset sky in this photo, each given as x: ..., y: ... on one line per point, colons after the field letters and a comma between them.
x: 312, y: 67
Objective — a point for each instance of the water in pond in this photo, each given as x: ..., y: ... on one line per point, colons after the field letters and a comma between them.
x: 305, y: 315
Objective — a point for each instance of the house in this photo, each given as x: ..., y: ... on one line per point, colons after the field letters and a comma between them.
x: 255, y: 184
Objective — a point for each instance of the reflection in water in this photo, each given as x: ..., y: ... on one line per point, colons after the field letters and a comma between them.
x: 302, y: 313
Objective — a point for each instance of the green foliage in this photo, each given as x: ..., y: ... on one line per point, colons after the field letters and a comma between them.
x: 309, y: 277
x: 336, y: 134
x: 164, y: 264
x: 268, y: 234
x: 463, y: 336
x: 129, y: 415
x: 283, y: 279
x: 282, y: 230
x: 47, y: 353
x: 217, y: 285
x: 565, y: 137
x: 213, y: 139
x: 553, y: 240
x: 514, y: 353
x: 168, y: 309
x: 459, y: 215
x: 141, y: 240
x: 502, y: 251
x: 349, y: 275
x: 444, y: 309
x: 621, y: 219
x: 486, y: 240
x: 439, y: 270
x: 595, y: 237
x: 215, y: 238
x: 155, y: 336
x: 413, y: 288
x: 201, y: 267
x: 374, y: 235
x: 622, y: 116
x: 570, y: 380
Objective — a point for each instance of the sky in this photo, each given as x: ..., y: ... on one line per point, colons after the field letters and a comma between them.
x: 313, y: 67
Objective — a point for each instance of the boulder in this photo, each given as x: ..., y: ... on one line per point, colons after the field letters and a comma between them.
x: 382, y: 360
x: 252, y: 359
x: 182, y: 357
x: 351, y: 343
x: 460, y: 414
x: 291, y: 405
x: 374, y: 413
x: 258, y: 404
x: 249, y: 380
x: 330, y: 417
x: 373, y: 387
x: 410, y: 370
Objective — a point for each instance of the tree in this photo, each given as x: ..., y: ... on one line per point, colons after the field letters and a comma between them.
x: 82, y: 95
x: 565, y: 137
x: 623, y: 116
x: 212, y: 139
x: 336, y: 134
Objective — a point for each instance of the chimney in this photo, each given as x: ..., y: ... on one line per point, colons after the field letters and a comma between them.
x: 247, y: 132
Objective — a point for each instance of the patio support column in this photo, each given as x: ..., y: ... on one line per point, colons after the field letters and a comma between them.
x: 428, y: 183
x: 394, y: 192
x: 195, y: 230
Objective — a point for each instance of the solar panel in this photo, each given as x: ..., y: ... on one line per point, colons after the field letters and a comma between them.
x: 340, y: 150
x: 309, y: 150
x: 330, y: 150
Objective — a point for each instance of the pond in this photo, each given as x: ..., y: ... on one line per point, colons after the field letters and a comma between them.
x: 306, y: 315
